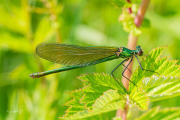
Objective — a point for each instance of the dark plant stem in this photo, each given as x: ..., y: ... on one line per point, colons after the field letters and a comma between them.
x: 132, y: 42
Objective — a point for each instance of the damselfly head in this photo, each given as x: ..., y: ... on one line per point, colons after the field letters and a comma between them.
x: 139, y: 50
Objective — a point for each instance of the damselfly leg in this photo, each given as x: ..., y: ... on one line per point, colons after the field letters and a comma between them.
x: 142, y: 67
x: 114, y: 76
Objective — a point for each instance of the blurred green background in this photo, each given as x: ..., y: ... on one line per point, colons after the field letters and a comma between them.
x: 25, y: 23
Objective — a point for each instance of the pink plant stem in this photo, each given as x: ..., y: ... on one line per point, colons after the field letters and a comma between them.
x: 141, y: 12
x: 132, y: 42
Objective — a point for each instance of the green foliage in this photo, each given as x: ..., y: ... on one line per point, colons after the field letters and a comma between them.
x: 161, y: 114
x: 164, y: 85
x: 101, y: 93
x: 25, y: 23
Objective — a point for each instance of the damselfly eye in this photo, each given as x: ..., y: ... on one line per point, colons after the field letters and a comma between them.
x: 140, y: 52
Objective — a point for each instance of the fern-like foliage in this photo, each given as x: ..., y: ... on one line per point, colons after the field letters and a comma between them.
x: 101, y: 93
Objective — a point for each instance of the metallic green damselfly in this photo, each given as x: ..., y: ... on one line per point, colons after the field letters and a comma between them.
x: 74, y: 56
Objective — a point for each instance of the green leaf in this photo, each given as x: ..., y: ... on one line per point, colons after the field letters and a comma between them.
x: 109, y: 101
x: 149, y: 64
x: 164, y: 91
x: 140, y: 99
x: 104, y: 80
x: 164, y: 114
x: 106, y: 98
x: 75, y: 105
x: 156, y: 87
x: 100, y: 96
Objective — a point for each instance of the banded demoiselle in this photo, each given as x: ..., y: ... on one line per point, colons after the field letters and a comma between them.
x: 74, y: 56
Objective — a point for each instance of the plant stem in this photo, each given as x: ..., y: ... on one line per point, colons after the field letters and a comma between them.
x: 132, y: 42
x: 141, y: 12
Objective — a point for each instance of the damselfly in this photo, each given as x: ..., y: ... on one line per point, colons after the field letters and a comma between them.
x: 74, y: 56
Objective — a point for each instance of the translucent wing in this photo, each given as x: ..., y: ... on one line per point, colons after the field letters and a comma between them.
x: 73, y: 55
